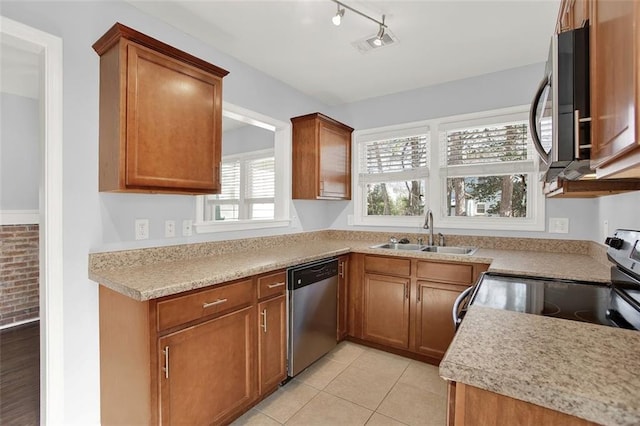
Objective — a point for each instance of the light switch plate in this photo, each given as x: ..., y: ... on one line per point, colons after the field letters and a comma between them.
x: 559, y: 225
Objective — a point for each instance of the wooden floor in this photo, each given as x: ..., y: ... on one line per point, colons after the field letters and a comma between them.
x: 20, y: 375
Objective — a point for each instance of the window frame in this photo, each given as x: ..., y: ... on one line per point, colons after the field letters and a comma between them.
x: 361, y: 137
x: 282, y: 155
x: 243, y: 203
x: 436, y: 184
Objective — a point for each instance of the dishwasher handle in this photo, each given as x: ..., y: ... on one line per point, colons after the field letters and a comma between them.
x: 457, y: 319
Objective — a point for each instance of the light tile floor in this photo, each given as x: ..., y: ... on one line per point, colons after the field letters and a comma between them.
x: 356, y: 385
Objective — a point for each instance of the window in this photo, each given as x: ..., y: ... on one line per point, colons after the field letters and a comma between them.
x: 480, y: 170
x: 248, y: 189
x: 392, y: 173
x: 255, y: 177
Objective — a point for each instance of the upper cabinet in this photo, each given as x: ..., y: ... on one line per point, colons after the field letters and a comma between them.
x: 573, y: 14
x: 321, y: 158
x: 160, y: 116
x: 615, y: 88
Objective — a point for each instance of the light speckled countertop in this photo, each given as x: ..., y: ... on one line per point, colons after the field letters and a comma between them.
x: 560, y: 364
x: 586, y: 370
x: 151, y: 273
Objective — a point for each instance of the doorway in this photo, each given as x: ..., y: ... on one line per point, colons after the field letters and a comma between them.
x: 46, y: 50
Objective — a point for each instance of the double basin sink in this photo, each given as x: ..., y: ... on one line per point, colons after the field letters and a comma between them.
x: 432, y: 249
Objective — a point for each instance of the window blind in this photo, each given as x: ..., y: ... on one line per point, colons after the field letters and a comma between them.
x: 230, y: 181
x: 261, y: 178
x: 404, y: 158
x: 494, y: 144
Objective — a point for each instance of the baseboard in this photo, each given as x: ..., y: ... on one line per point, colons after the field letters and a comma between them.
x: 19, y: 323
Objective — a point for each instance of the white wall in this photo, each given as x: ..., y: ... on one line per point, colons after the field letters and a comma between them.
x: 19, y: 152
x: 620, y: 211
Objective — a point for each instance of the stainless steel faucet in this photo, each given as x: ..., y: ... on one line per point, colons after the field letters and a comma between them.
x: 428, y: 224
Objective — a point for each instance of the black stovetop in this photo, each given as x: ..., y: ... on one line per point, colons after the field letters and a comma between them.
x: 579, y: 301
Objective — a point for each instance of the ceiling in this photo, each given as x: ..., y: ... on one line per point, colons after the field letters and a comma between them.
x: 438, y: 41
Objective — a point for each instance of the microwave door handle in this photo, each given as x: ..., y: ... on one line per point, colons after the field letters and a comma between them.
x: 532, y: 121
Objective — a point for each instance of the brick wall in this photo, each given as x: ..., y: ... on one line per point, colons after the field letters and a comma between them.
x: 19, y: 273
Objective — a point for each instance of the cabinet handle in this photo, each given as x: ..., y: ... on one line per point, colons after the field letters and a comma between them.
x: 275, y: 285
x: 166, y: 362
x: 217, y: 302
x: 264, y: 320
x: 341, y: 270
x: 406, y: 291
x: 418, y: 294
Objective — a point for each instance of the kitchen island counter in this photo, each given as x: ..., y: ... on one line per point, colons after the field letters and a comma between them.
x: 585, y: 370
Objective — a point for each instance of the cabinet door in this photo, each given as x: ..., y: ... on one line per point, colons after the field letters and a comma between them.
x: 342, y: 297
x: 174, y: 114
x: 386, y: 310
x: 207, y: 372
x: 334, y: 167
x: 434, y: 326
x: 272, y: 347
x: 614, y: 79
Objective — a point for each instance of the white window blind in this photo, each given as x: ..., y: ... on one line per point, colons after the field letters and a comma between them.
x: 230, y: 181
x: 397, y: 158
x: 261, y: 178
x: 496, y: 149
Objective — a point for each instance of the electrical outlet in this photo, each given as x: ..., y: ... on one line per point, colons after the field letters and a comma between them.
x: 169, y: 228
x: 187, y: 228
x: 142, y: 229
x: 559, y: 225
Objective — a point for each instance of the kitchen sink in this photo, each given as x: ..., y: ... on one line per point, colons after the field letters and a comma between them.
x: 450, y: 249
x: 432, y: 249
x: 398, y: 246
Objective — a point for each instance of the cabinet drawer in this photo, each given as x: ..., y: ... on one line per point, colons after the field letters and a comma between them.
x: 272, y: 284
x: 183, y: 309
x: 448, y: 272
x: 387, y: 265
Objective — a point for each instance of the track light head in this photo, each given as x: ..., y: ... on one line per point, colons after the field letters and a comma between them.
x: 378, y: 40
x: 337, y: 19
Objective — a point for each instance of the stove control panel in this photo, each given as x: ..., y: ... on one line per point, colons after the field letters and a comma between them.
x: 624, y: 250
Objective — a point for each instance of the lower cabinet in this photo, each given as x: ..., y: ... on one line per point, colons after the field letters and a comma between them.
x: 272, y: 343
x: 405, y: 303
x: 471, y: 406
x: 386, y: 310
x: 434, y: 325
x: 200, y: 357
x: 207, y: 371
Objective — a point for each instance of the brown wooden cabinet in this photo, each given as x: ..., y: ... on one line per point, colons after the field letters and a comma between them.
x: 406, y: 304
x: 199, y: 357
x: 572, y: 14
x: 272, y: 343
x: 343, y: 281
x: 206, y: 372
x: 434, y: 326
x: 160, y: 116
x: 386, y: 310
x: 471, y: 406
x: 321, y: 158
x: 615, y: 88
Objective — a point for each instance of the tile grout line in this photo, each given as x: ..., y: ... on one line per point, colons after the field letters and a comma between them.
x: 389, y: 391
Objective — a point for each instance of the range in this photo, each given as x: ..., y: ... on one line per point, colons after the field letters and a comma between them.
x: 615, y: 304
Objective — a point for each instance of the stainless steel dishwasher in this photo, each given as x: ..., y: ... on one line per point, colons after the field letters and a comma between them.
x: 312, y: 289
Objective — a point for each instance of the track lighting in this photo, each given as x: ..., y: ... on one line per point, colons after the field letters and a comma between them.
x: 337, y: 19
x: 378, y: 40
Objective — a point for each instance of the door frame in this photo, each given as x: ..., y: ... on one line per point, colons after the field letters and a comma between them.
x: 49, y: 48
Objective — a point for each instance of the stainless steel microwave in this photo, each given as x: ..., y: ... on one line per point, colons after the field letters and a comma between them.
x: 560, y: 116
